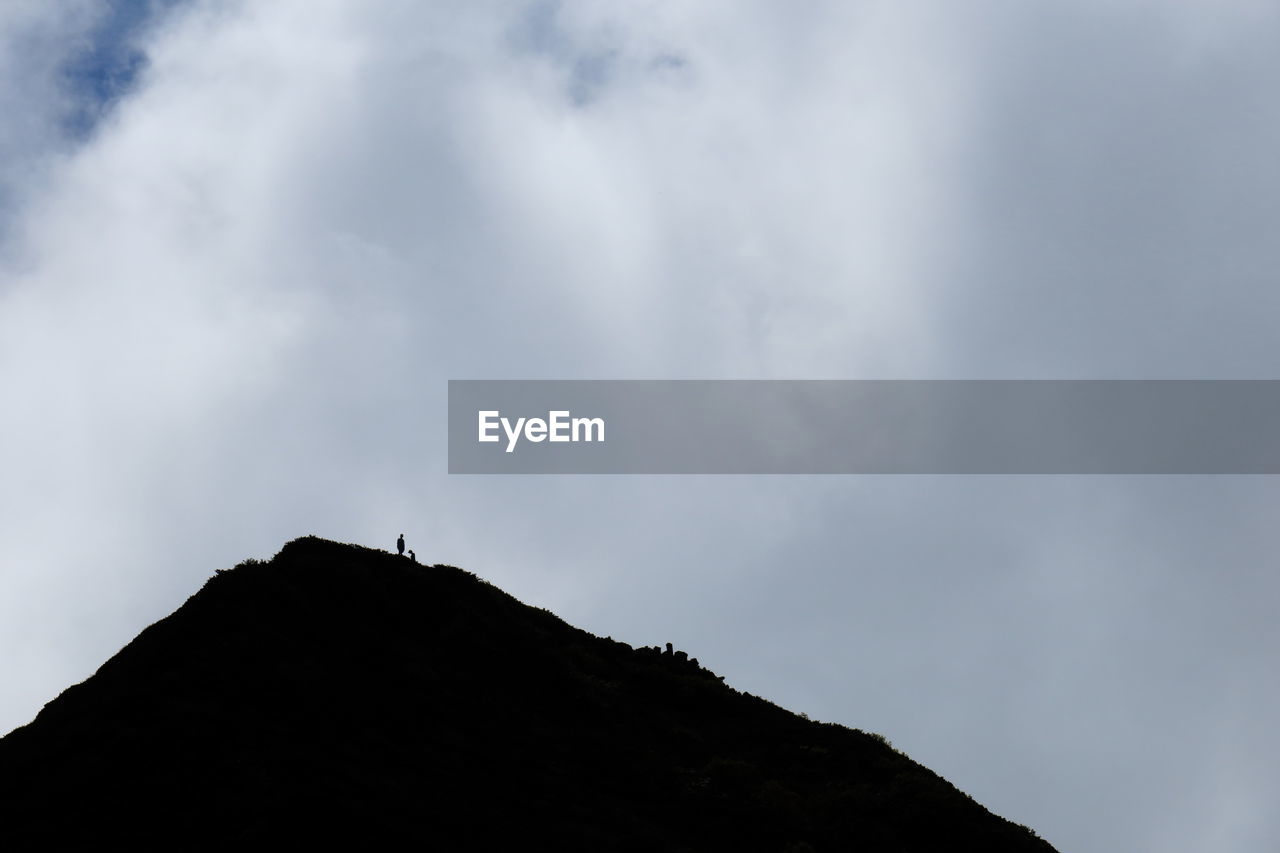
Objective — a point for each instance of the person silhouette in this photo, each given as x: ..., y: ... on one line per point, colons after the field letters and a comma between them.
x: 400, y: 544
x: 413, y: 556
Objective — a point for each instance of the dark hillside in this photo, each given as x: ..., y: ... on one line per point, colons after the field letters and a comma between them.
x: 344, y: 695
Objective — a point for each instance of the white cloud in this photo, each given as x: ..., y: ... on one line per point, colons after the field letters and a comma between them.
x: 227, y: 320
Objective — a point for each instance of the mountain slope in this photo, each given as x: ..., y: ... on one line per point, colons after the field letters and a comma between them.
x: 342, y: 694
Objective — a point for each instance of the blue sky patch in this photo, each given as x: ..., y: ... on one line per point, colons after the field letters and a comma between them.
x: 110, y: 62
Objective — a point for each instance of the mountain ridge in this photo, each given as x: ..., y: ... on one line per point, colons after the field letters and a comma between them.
x: 338, y: 692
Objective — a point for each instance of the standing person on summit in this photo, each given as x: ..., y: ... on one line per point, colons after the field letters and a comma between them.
x: 400, y: 544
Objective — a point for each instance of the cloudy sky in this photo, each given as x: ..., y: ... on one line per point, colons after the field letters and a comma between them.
x: 244, y: 245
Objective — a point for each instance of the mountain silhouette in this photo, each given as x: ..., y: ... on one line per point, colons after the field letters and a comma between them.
x: 341, y: 695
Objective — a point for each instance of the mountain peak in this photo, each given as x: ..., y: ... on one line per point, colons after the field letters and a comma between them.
x: 342, y: 693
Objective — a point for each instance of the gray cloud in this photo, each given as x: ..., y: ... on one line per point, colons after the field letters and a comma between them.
x: 227, y: 318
